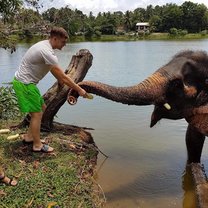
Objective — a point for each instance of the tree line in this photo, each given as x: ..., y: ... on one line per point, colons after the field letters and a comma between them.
x: 17, y: 16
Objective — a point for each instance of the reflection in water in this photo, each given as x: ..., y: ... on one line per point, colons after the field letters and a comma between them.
x: 119, y: 197
x: 189, y: 198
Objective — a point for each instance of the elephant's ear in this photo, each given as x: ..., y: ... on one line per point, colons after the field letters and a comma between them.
x: 191, y: 80
x: 195, y: 75
x: 190, y: 73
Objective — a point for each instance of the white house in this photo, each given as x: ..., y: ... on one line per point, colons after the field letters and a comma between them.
x: 142, y: 26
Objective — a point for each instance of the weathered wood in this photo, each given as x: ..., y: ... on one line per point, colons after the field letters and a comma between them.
x: 201, y: 184
x: 56, y: 96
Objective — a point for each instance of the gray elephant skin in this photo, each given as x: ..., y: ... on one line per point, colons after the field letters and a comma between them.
x: 177, y: 90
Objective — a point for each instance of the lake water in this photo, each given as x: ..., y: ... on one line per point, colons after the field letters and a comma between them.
x: 146, y: 167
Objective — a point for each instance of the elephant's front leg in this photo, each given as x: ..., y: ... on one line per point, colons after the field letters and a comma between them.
x: 194, y: 144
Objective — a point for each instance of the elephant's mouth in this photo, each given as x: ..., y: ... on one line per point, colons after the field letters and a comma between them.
x: 167, y: 111
x: 177, y: 98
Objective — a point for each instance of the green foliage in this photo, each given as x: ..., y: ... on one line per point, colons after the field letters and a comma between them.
x: 107, y: 29
x: 172, y: 17
x: 155, y: 22
x: 72, y: 21
x: 89, y: 31
x: 182, y: 32
x: 8, y: 104
x: 204, y: 32
x: 28, y: 23
x: 189, y: 16
x: 173, y: 31
x: 7, y: 41
x: 98, y: 33
x: 177, y: 32
x: 16, y: 20
x: 120, y: 33
x: 9, y: 7
x: 64, y: 177
x: 194, y: 16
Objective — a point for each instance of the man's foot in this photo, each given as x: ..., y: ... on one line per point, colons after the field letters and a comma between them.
x: 45, y: 148
x: 8, y: 181
x: 26, y: 140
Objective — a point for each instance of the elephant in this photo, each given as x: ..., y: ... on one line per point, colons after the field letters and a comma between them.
x: 178, y: 90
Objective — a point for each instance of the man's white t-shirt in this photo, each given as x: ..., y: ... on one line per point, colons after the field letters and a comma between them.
x: 36, y: 63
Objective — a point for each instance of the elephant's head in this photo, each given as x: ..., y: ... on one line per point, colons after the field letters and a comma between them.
x: 173, y: 89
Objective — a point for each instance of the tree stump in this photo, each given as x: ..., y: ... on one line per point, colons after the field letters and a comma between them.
x: 56, y: 96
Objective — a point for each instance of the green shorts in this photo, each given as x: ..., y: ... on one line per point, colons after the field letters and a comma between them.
x: 28, y: 97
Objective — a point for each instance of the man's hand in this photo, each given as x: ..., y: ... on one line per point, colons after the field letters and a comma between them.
x: 82, y: 93
x: 87, y: 95
x: 64, y: 79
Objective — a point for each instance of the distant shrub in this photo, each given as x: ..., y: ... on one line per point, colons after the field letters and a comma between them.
x: 98, y: 33
x: 203, y: 32
x: 147, y: 32
x: 182, y: 32
x: 173, y: 31
x: 141, y: 33
x: 120, y: 33
x: 89, y: 32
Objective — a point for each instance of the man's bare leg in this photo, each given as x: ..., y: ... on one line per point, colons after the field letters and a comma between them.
x: 35, y: 124
x: 28, y: 136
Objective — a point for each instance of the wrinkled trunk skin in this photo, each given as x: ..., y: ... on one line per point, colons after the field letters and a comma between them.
x: 150, y: 91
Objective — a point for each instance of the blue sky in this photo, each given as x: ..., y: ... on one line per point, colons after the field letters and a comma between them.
x: 111, y: 5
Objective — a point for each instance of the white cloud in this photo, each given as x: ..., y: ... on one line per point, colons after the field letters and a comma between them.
x: 94, y: 5
x: 205, y: 2
x: 112, y: 5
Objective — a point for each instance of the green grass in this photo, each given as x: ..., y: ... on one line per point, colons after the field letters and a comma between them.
x: 152, y: 36
x: 65, y: 177
x: 107, y: 38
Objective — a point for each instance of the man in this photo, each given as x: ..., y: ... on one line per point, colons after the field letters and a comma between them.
x: 36, y: 63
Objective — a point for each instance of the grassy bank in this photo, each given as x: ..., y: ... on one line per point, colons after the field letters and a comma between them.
x: 63, y: 178
x: 132, y: 37
x: 129, y: 37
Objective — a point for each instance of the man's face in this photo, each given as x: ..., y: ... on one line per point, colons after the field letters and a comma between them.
x: 60, y: 42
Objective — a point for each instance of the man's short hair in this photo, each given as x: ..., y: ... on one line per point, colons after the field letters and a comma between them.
x: 58, y: 31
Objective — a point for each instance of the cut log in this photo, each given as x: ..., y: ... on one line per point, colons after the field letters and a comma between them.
x: 201, y: 184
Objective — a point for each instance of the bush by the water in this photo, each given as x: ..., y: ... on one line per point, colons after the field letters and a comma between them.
x: 8, y: 103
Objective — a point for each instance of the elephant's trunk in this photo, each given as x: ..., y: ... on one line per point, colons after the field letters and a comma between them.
x: 150, y: 91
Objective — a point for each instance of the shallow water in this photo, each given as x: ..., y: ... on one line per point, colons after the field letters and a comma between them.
x: 146, y: 166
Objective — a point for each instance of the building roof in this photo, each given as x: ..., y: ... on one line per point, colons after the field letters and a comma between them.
x: 142, y: 24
